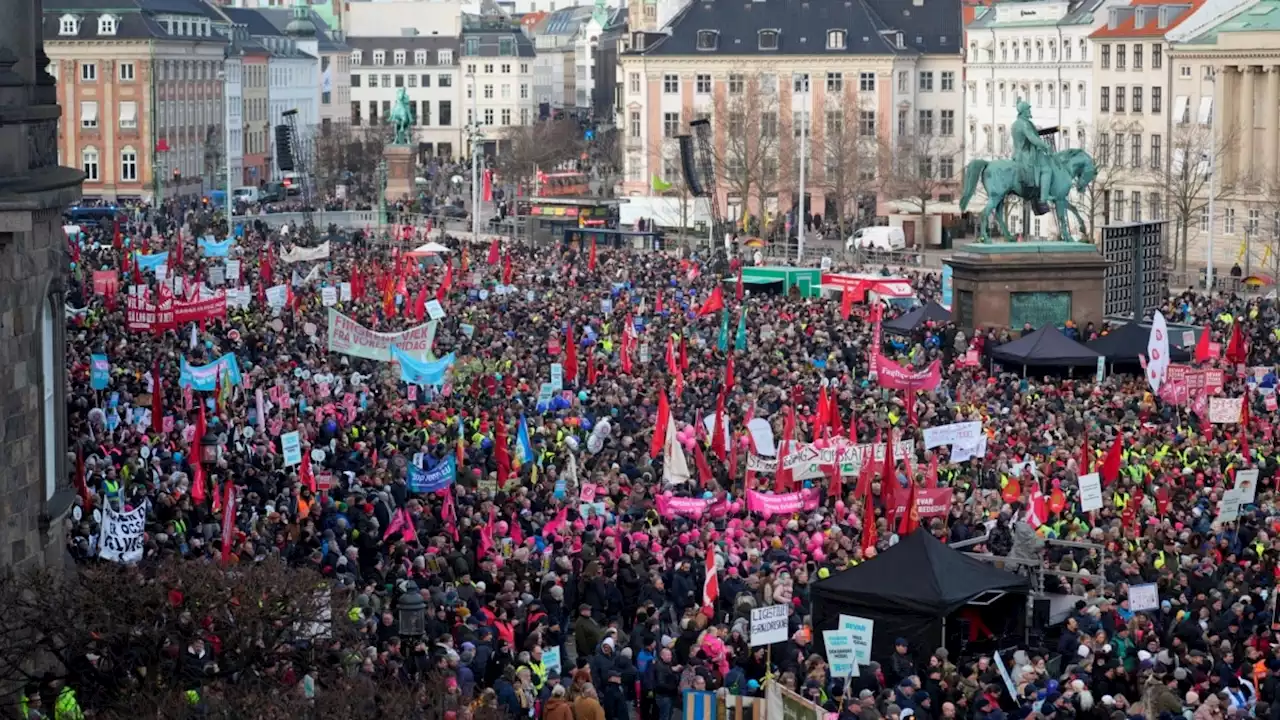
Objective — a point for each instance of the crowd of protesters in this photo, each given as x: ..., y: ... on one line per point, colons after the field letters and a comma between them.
x: 514, y: 561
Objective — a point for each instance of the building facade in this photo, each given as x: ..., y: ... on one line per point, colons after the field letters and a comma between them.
x: 781, y: 75
x: 257, y: 125
x: 1225, y: 69
x: 35, y: 493
x: 427, y: 69
x: 497, y: 75
x: 141, y: 90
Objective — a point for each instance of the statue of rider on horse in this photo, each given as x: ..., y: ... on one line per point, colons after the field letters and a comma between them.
x: 1036, y: 174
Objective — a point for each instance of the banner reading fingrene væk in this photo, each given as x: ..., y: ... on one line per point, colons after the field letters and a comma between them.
x: 348, y: 337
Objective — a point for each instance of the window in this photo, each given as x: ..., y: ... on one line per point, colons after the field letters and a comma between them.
x: 800, y: 82
x: 1136, y: 106
x: 708, y: 39
x: 127, y: 72
x: 1156, y: 153
x: 49, y: 381
x: 924, y: 122
x: 399, y: 79
x: 386, y: 80
x: 866, y: 123
x: 634, y: 125
x: 1003, y: 94
x: 702, y: 84
x: 1119, y: 150
x: 946, y: 167
x: 88, y: 72
x: 1135, y: 150
x: 424, y: 117
x: 379, y: 57
x: 1120, y: 57
x: 635, y: 82
x: 1117, y: 206
x: 801, y: 124
x: 444, y: 57
x: 1229, y: 221
x: 472, y: 47
x: 926, y: 81
x: 506, y: 91
x: 867, y: 82
x: 1039, y: 51
x: 1104, y: 101
x: 506, y: 48
x: 442, y: 80
x: 1039, y: 94
x: 1135, y: 206
x: 488, y: 92
x: 1253, y: 223
x: 768, y: 39
x: 1066, y: 50
x: 947, y: 128
x: 670, y: 124
x: 412, y: 79
x: 769, y: 124
x: 1137, y: 57
x: 398, y: 57
x: 1004, y: 52
x: 88, y: 114
x: 835, y: 39
x: 1106, y: 57
x: 419, y: 57
x: 1120, y: 98
x: 1017, y: 52
x: 488, y: 116
x: 506, y: 116
x: 373, y: 82
x: 1157, y: 56
x: 1104, y: 149
x: 1084, y: 95
x: 524, y: 91
x: 89, y: 163
x: 446, y: 112
x: 670, y: 84
x: 1184, y: 71
x: 129, y: 164
x: 1157, y: 100
x: 1004, y: 138
x: 69, y: 25
x: 948, y: 81
x: 924, y: 167
x: 1154, y: 209
x: 835, y: 82
x: 128, y: 115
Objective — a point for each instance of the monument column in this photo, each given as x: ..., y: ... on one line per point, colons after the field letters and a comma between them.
x: 1224, y: 117
x: 1270, y: 110
x: 1245, y: 109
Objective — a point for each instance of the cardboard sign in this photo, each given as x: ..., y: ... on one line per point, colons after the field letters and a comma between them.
x: 434, y: 310
x: 1090, y: 492
x: 1224, y: 411
x: 862, y: 631
x: 769, y: 625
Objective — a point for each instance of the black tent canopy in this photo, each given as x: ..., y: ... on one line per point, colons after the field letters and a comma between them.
x: 931, y: 312
x: 1046, y: 346
x: 1125, y: 343
x: 910, y: 588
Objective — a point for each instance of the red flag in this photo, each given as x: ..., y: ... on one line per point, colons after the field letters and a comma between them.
x: 912, y: 420
x: 710, y: 583
x: 516, y: 532
x: 570, y: 356
x: 556, y: 523
x: 846, y: 304
x: 500, y: 453
x: 820, y: 415
x: 591, y: 258
x: 673, y: 367
x: 445, y: 284
x: 782, y: 478
x: 833, y: 415
x: 507, y: 270
x: 591, y: 369
x: 737, y: 291
x: 157, y: 398
x: 1244, y: 429
x: 910, y: 520
x: 660, y: 426
x: 718, y: 431
x: 657, y: 304
x: 868, y: 522
x: 713, y: 304
x: 357, y: 284
x: 494, y: 252
x: 931, y: 477
x: 420, y: 305
x: 228, y: 520
x: 197, y: 469
x: 449, y: 513
x: 1111, y: 463
x: 1202, y: 345
x: 728, y: 372
x: 137, y: 271
x: 1086, y: 457
x: 117, y: 237
x: 700, y: 461
x: 684, y: 355
x: 177, y: 250
x: 486, y: 535
x: 82, y: 482
x: 1237, y: 350
x: 888, y: 478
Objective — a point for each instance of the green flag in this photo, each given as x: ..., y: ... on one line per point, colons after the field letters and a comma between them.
x: 723, y: 341
x: 740, y: 341
x: 660, y: 185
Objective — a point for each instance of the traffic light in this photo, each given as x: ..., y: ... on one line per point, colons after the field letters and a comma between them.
x: 176, y: 174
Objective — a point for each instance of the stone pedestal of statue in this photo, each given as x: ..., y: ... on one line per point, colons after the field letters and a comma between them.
x: 1041, y: 283
x: 400, y: 172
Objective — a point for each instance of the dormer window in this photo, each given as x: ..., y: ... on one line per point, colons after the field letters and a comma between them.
x: 379, y: 57
x: 708, y: 39
x: 69, y: 25
x: 419, y: 57
x: 107, y: 25
x: 356, y: 57
x: 399, y: 57
x: 768, y: 39
x: 835, y: 40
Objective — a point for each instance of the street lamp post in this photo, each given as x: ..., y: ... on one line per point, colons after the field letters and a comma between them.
x: 804, y: 150
x: 1213, y: 178
x: 476, y: 155
x: 382, y: 195
x: 226, y: 144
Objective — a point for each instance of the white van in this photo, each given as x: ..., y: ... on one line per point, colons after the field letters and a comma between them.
x: 878, y: 237
x: 245, y: 194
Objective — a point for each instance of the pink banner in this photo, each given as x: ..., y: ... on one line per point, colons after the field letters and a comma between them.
x: 769, y: 505
x: 893, y: 376
x: 669, y: 507
x: 930, y: 502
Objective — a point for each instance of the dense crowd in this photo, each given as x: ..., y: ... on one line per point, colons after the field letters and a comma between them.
x: 557, y: 542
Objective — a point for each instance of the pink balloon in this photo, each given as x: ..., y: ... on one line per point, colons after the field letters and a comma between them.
x: 688, y: 442
x: 840, y: 506
x: 744, y: 441
x: 819, y: 556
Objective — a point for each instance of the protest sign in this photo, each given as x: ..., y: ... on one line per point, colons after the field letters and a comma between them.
x: 435, y: 310
x: 437, y: 478
x: 121, y: 536
x: 277, y: 296
x: 468, y: 330
x: 839, y: 645
x: 233, y: 271
x: 1224, y: 411
x: 557, y: 377
x: 1143, y: 597
x: 348, y: 337
x: 588, y: 493
x: 963, y: 452
x: 892, y: 376
x: 769, y: 625
x: 1229, y: 506
x: 756, y: 463
x: 862, y: 630
x: 1004, y: 675
x: 99, y: 372
x: 291, y: 448
x: 344, y: 292
x: 301, y: 254
x: 328, y: 296
x: 955, y: 433
x: 1247, y: 484
x: 551, y: 661
x: 106, y: 282
x: 852, y: 457
x: 1090, y: 492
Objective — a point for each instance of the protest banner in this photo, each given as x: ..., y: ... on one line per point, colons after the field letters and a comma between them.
x: 348, y: 337
x: 756, y: 463
x: 167, y: 312
x: 99, y: 372
x: 784, y: 503
x: 863, y: 630
x: 301, y: 254
x: 205, y: 377
x: 437, y: 478
x: 121, y: 535
x: 1090, y: 492
x: 422, y: 372
x: 769, y: 625
x: 670, y: 506
x: 933, y: 502
x: 291, y: 448
x: 852, y: 457
x: 1224, y: 411
x: 892, y: 376
x: 955, y: 433
x: 106, y: 282
x: 961, y: 452
x: 839, y: 646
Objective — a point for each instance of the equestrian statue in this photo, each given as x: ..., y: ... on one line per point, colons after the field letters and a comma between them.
x: 402, y: 118
x: 1036, y: 174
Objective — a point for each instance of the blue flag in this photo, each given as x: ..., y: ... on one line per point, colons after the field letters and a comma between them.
x: 522, y: 442
x: 212, y: 248
x: 421, y: 372
x: 99, y: 372
x: 437, y: 478
x: 152, y: 261
x: 205, y: 377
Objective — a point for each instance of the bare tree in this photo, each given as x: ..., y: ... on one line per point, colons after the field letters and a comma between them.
x: 669, y: 180
x: 1186, y: 182
x: 1262, y: 243
x: 538, y: 147
x: 747, y: 156
x: 1107, y: 146
x: 918, y: 167
x: 851, y: 156
x: 349, y: 156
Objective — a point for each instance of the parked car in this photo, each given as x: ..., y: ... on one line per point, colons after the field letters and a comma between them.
x: 877, y: 237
